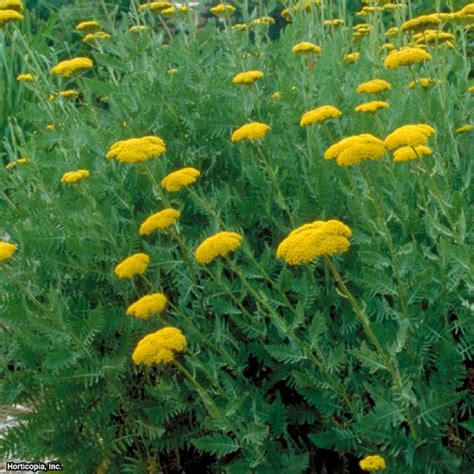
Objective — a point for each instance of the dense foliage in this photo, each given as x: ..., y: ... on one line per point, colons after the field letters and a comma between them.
x: 291, y: 369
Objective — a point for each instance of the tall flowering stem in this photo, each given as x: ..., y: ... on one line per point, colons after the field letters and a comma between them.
x: 364, y: 320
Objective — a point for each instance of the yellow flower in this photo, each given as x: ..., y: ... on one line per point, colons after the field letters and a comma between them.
x: 137, y: 150
x: 424, y: 82
x: 222, y: 9
x: 433, y: 36
x: 465, y: 128
x: 50, y: 127
x: 159, y: 220
x: 371, y: 107
x: 334, y: 22
x: 219, y: 245
x: 356, y: 149
x: 306, y: 47
x: 319, y: 115
x: 159, y: 347
x: 285, y: 13
x: 374, y: 86
x: 91, y: 25
x: 72, y: 66
x: 13, y: 164
x: 392, y: 31
x: 250, y: 131
x: 471, y: 89
x: 179, y: 179
x: 247, y: 77
x: 240, y: 26
x: 372, y: 463
x: 74, y: 176
x: 138, y: 28
x: 136, y: 264
x: 25, y: 77
x: 16, y: 5
x: 99, y: 35
x: 352, y: 57
x: 148, y: 305
x: 313, y: 240
x: 172, y: 70
x: 407, y: 153
x: 9, y: 15
x: 277, y: 95
x: 155, y: 6
x: 409, y: 135
x: 421, y: 23
x: 264, y: 20
x: 69, y: 94
x: 406, y: 57
x: 6, y: 250
x: 172, y: 10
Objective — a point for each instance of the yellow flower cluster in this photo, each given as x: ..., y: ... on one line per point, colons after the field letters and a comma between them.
x: 320, y: 115
x: 407, y: 153
x: 352, y: 57
x: 69, y: 94
x: 99, y: 35
x: 173, y: 10
x: 424, y: 82
x: 247, y: 77
x: 9, y: 15
x: 91, y: 25
x: 371, y: 107
x: 409, y: 135
x: 356, y: 149
x: 375, y: 86
x: 406, y: 57
x: 465, y: 128
x: 218, y: 245
x: 306, y: 47
x: 333, y: 22
x: 421, y: 23
x: 137, y: 150
x: 155, y: 6
x: 136, y: 264
x: 138, y: 28
x: 6, y: 250
x: 433, y: 36
x: 250, y: 131
x: 222, y: 9
x: 159, y: 347
x: 313, y: 240
x: 159, y: 220
x: 179, y: 179
x: 74, y: 176
x: 27, y: 77
x: 263, y: 20
x: 372, y: 463
x: 72, y: 66
x: 14, y: 164
x: 16, y: 5
x: 148, y: 305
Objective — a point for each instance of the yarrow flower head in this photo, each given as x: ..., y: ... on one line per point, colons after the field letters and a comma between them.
x: 7, y: 16
x: 409, y: 135
x: 91, y: 25
x: 423, y: 82
x: 372, y: 463
x: 148, y: 305
x: 219, y: 245
x: 137, y: 150
x: 222, y: 9
x: 352, y: 57
x: 6, y: 250
x: 16, y: 5
x: 160, y: 220
x: 155, y: 6
x: 319, y: 238
x: 72, y: 66
x: 159, y: 347
x: 74, y: 176
x: 371, y: 107
x: 247, y: 77
x: 136, y: 264
x: 250, y: 131
x: 15, y: 163
x: 375, y: 86
x: 180, y: 179
x: 27, y: 77
x: 99, y: 35
x: 421, y: 23
x: 69, y: 94
x: 306, y: 47
x: 320, y: 115
x: 356, y: 149
x: 408, y: 153
x: 406, y: 57
x: 465, y: 128
x: 263, y: 20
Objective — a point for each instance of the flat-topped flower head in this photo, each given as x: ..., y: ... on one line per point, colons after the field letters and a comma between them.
x: 98, y: 36
x: 375, y: 86
x: 218, y: 245
x: 138, y: 28
x: 68, y: 94
x: 6, y: 250
x: 26, y: 77
x: 424, y: 82
x: 371, y: 107
x: 72, y: 177
x: 16, y: 5
x: 180, y: 179
x: 263, y: 20
x: 6, y: 16
x: 409, y: 135
x: 319, y: 238
x: 88, y: 26
x: 148, y: 305
x: 352, y: 57
x: 159, y: 347
x: 422, y: 22
x: 406, y: 57
x: 175, y: 10
x: 320, y: 115
x: 372, y: 463
x: 465, y: 128
x: 155, y: 6
x: 72, y: 66
x: 222, y: 9
x: 433, y: 36
x: 136, y: 264
x: 247, y: 77
x: 137, y: 150
x: 333, y: 22
x: 15, y: 163
x: 408, y: 153
x: 307, y: 47
x: 250, y: 131
x: 159, y: 220
x: 356, y: 149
